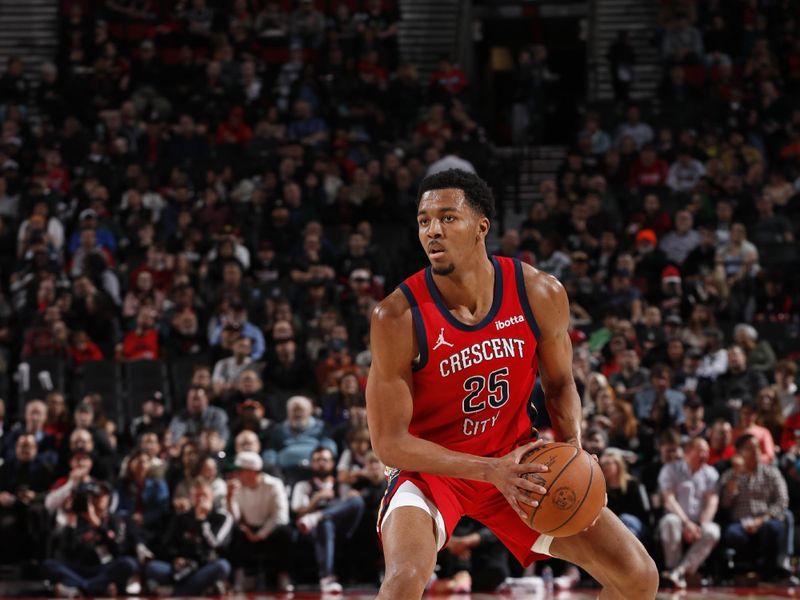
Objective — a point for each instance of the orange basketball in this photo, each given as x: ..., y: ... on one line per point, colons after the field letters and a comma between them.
x: 575, y: 486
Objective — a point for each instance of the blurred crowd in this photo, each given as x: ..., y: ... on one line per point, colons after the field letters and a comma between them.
x: 202, y: 201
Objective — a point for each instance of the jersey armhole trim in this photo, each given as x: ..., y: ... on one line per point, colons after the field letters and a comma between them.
x: 523, y: 299
x: 419, y: 325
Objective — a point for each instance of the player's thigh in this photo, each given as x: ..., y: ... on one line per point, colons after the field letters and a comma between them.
x: 608, y: 551
x: 409, y: 541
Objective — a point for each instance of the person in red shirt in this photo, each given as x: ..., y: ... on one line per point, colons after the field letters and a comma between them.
x: 720, y: 442
x: 142, y: 342
x: 648, y: 171
x: 83, y: 349
x: 234, y: 130
x: 448, y: 80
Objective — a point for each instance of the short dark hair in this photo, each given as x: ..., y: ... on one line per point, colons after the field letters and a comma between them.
x: 476, y: 192
x: 743, y: 440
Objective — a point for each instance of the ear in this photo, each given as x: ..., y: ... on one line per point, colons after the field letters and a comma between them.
x: 483, y: 227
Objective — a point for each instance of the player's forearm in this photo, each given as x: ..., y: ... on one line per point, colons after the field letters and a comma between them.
x: 564, y: 409
x: 410, y: 453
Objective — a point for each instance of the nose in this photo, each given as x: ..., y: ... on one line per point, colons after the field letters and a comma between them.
x: 435, y: 229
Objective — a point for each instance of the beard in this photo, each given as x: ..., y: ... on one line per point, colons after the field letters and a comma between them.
x: 444, y: 271
x: 322, y: 473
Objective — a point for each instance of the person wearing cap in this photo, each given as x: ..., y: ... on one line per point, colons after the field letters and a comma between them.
x: 260, y: 508
x: 89, y: 219
x: 650, y: 261
x: 153, y: 417
x: 688, y: 489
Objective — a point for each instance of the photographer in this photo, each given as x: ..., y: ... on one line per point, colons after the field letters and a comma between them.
x: 190, y: 562
x: 89, y: 556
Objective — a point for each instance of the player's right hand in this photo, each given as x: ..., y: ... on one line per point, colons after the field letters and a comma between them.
x: 506, y: 475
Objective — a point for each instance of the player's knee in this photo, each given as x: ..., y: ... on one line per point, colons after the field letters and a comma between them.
x: 409, y: 578
x: 644, y: 576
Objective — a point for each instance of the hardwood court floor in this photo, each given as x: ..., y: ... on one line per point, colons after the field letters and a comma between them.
x: 704, y: 594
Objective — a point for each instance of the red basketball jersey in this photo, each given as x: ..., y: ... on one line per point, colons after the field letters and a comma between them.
x: 472, y: 383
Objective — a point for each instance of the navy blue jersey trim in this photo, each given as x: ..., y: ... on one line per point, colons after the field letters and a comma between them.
x: 523, y: 299
x: 497, y: 300
x: 422, y: 338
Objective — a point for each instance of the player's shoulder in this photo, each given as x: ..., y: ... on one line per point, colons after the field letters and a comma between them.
x: 541, y: 286
x: 392, y: 310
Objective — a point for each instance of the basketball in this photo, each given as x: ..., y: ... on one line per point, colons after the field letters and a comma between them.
x: 575, y: 486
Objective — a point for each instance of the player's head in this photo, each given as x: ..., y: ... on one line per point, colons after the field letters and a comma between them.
x: 454, y: 213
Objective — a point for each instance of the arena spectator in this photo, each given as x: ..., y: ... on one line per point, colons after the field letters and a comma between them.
x: 291, y: 442
x: 190, y: 563
x: 227, y: 371
x: 24, y: 479
x: 325, y: 515
x: 626, y: 496
x: 260, y: 509
x: 140, y: 497
x: 689, y: 494
x: 92, y: 548
x: 198, y: 415
x: 756, y: 496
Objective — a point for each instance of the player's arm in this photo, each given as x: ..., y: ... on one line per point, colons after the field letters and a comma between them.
x: 549, y: 298
x: 390, y: 408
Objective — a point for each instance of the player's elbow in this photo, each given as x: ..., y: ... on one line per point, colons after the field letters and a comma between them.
x: 387, y: 450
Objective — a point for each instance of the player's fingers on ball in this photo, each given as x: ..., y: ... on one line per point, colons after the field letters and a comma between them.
x: 515, y: 505
x: 523, y: 498
x: 523, y: 450
x: 531, y: 468
x: 531, y: 487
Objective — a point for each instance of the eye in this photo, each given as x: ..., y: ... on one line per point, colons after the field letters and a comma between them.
x: 424, y: 222
x: 449, y: 219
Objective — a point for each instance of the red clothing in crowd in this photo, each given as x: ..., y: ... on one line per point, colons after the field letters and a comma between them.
x: 87, y: 353
x: 714, y: 455
x: 140, y: 346
x: 653, y: 175
x: 791, y: 423
x: 453, y: 80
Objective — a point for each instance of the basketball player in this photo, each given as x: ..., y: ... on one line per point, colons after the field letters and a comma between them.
x: 455, y: 353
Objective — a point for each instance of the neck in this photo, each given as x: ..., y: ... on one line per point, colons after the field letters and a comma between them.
x: 471, y: 285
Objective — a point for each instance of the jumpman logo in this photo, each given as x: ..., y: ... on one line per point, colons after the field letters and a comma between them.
x: 441, y: 341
